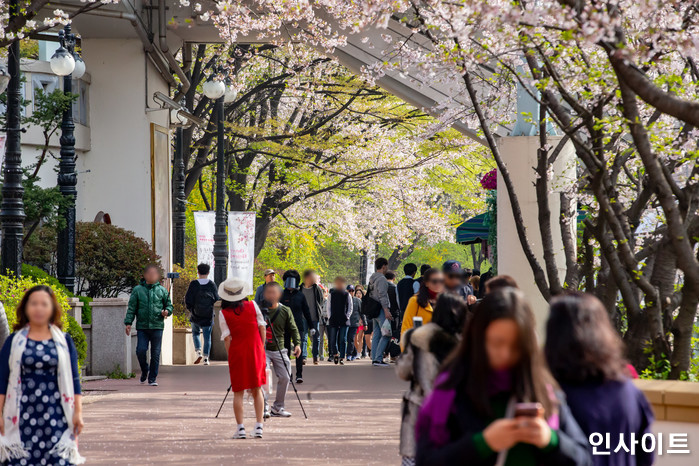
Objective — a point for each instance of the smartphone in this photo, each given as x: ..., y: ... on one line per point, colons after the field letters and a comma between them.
x: 417, y: 321
x: 173, y: 275
x: 527, y: 409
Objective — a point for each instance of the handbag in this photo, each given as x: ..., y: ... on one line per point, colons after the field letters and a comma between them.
x: 386, y: 329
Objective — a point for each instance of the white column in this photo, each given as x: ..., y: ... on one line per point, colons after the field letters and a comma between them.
x: 519, y: 154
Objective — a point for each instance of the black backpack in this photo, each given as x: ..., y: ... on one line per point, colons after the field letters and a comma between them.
x: 371, y: 308
x: 204, y: 302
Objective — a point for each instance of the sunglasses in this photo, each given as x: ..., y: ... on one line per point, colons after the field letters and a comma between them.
x: 437, y: 282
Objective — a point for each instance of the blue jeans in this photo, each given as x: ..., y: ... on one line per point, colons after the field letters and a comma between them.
x: 379, y: 343
x: 351, y: 349
x: 155, y: 339
x: 196, y: 329
x: 303, y: 332
x: 337, y: 340
x: 315, y: 340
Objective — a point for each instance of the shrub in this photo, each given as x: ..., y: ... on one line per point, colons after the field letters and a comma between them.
x: 11, y: 291
x: 180, y: 285
x: 37, y: 274
x: 108, y: 260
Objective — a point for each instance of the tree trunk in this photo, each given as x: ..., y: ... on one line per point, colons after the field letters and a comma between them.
x: 262, y: 226
x: 682, y: 329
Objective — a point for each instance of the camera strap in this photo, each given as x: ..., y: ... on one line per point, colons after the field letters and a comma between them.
x: 509, y: 414
x: 270, y: 332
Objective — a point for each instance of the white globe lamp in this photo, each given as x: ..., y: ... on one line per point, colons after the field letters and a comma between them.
x: 79, y: 70
x: 62, y: 62
x: 214, y: 89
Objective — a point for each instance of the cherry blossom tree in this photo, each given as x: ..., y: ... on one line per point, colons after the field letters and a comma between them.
x: 37, y: 16
x: 303, y: 127
x: 617, y: 78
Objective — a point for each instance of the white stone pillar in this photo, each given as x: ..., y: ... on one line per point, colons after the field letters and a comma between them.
x: 519, y: 154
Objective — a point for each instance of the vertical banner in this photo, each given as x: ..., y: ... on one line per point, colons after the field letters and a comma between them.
x: 204, y: 227
x: 241, y: 245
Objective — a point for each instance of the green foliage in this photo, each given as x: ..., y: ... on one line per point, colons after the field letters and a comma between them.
x: 76, y: 332
x: 491, y: 202
x: 87, y: 309
x: 117, y: 373
x: 657, y: 369
x: 180, y: 285
x: 108, y: 260
x: 42, y: 205
x: 439, y: 253
x: 11, y: 291
x: 38, y: 274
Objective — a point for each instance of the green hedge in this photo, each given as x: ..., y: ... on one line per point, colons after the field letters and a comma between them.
x: 11, y: 291
x: 38, y: 274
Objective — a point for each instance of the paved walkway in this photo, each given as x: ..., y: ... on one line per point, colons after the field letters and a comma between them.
x: 353, y: 410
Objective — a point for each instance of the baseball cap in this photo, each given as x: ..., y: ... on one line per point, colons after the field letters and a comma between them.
x: 350, y: 287
x: 270, y: 272
x: 451, y: 266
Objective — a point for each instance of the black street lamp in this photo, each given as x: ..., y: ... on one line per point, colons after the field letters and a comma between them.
x: 12, y: 208
x: 65, y: 63
x: 216, y: 90
x: 179, y: 215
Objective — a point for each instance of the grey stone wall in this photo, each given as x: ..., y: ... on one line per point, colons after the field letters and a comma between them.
x: 109, y: 344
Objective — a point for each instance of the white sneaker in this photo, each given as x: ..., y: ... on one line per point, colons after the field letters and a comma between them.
x: 198, y: 360
x: 206, y: 361
x: 280, y: 413
x: 240, y: 434
x: 258, y: 432
x: 153, y: 384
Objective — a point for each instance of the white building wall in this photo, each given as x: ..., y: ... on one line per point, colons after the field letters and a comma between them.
x: 519, y: 153
x: 119, y: 162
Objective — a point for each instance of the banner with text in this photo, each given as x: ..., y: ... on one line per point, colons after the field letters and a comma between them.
x: 241, y: 245
x: 204, y: 227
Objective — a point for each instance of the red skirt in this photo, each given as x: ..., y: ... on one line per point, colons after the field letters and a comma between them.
x: 246, y: 354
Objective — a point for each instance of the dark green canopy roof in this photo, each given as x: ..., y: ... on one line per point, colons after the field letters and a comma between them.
x: 473, y: 230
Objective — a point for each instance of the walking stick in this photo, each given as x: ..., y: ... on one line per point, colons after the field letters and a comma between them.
x: 224, y: 401
x: 288, y: 369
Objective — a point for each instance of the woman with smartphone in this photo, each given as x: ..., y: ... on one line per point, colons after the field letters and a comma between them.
x: 586, y: 356
x: 496, y: 403
x: 426, y: 347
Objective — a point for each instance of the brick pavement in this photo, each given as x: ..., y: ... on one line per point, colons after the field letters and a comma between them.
x: 354, y: 417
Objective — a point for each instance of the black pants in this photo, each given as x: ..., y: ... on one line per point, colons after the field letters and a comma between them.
x: 299, y: 360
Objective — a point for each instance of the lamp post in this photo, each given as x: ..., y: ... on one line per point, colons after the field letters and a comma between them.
x: 216, y: 90
x: 65, y: 63
x: 12, y: 208
x: 179, y: 216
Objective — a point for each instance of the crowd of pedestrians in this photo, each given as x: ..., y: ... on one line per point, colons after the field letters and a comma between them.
x: 483, y: 389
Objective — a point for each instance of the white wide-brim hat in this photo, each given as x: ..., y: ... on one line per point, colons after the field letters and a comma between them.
x: 234, y: 289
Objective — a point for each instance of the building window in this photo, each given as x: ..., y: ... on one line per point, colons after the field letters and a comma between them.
x: 80, y: 105
x: 46, y: 83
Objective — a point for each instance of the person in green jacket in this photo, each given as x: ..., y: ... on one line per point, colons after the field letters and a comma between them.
x: 150, y: 305
x: 282, y: 324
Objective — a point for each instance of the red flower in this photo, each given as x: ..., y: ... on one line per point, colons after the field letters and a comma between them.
x: 490, y: 180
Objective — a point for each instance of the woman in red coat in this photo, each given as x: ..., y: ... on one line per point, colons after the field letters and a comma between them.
x: 243, y: 331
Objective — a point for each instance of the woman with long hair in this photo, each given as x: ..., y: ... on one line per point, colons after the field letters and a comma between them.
x: 496, y: 401
x: 426, y: 348
x: 586, y: 356
x: 243, y: 331
x: 40, y: 396
x: 421, y: 305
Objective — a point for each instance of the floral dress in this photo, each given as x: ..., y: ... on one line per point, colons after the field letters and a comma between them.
x: 42, y: 420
